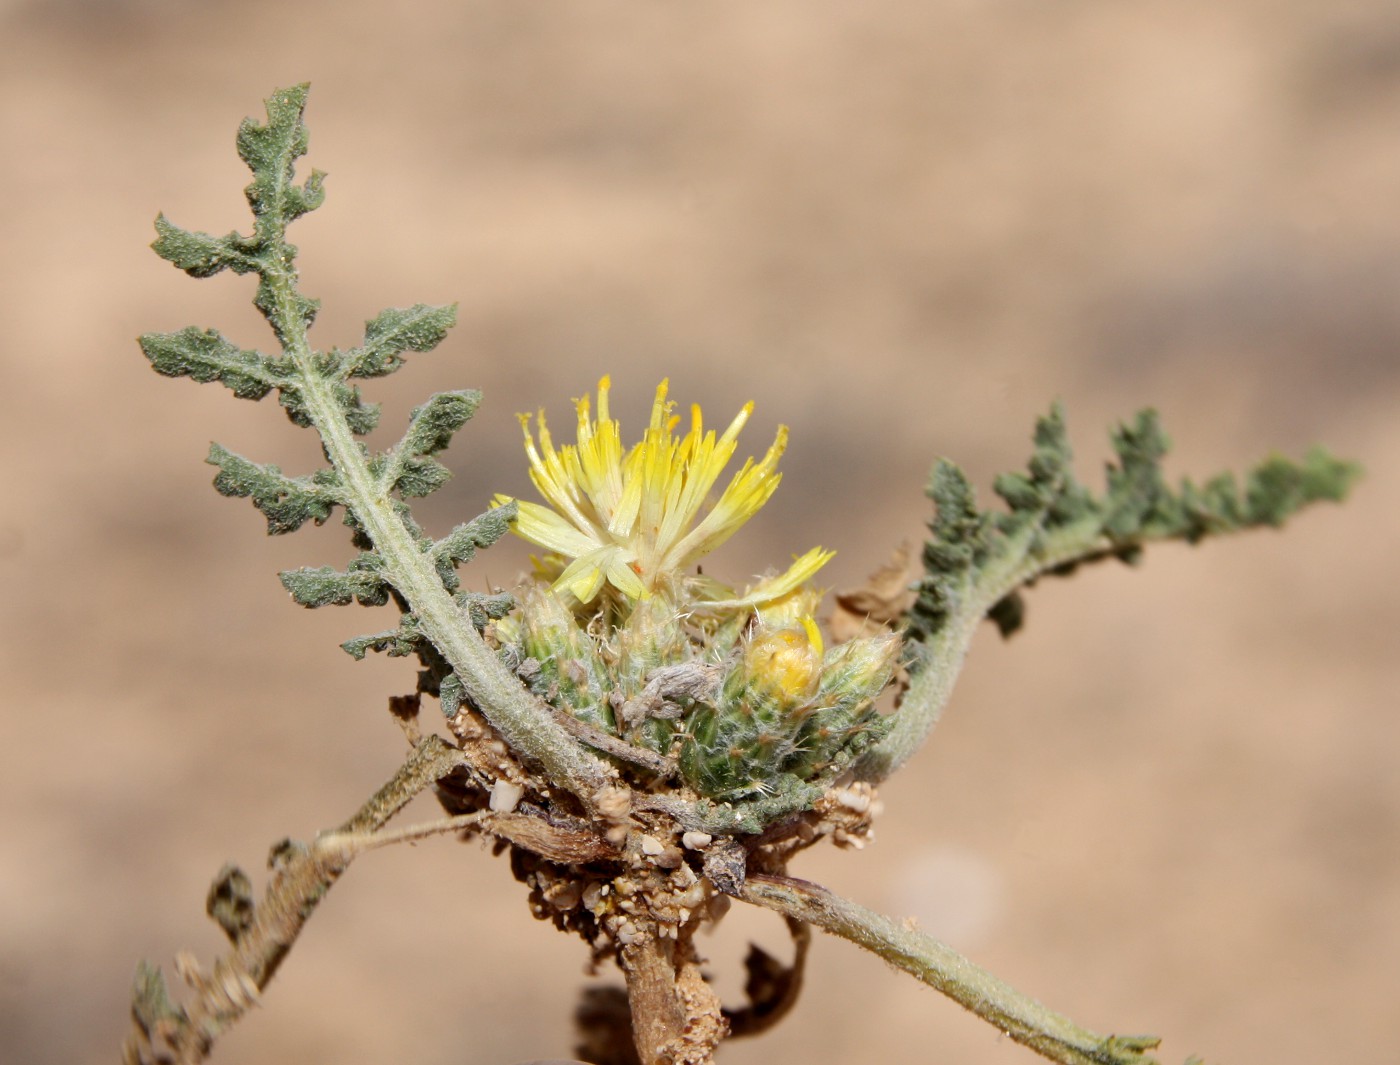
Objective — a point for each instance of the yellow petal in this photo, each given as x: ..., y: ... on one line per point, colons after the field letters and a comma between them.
x: 799, y: 573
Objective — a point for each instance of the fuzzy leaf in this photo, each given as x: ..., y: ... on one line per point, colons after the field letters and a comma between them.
x: 461, y: 543
x: 362, y: 417
x: 205, y: 355
x: 421, y: 476
x: 326, y: 586
x: 409, y: 467
x: 976, y: 560
x: 391, y: 333
x: 432, y: 425
x: 482, y: 608
x: 451, y: 695
x: 396, y: 643
x: 286, y: 502
x: 201, y: 254
x: 271, y: 152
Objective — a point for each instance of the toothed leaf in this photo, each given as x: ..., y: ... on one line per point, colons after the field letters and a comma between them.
x: 461, y: 544
x: 484, y: 608
x: 975, y: 561
x: 200, y: 254
x: 431, y: 427
x: 286, y: 502
x: 325, y: 586
x: 391, y: 333
x: 362, y: 417
x: 205, y: 355
x: 405, y: 640
x: 271, y: 152
x: 421, y: 476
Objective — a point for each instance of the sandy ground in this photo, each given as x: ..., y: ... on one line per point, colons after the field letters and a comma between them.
x: 903, y: 228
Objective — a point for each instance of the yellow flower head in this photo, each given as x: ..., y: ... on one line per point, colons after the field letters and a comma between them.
x: 629, y: 521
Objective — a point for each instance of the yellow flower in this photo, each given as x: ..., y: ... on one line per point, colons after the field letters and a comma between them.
x: 629, y: 520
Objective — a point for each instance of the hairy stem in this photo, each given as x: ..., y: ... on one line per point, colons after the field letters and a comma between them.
x: 169, y: 1035
x: 1022, y: 1018
x: 524, y: 722
x: 939, y: 661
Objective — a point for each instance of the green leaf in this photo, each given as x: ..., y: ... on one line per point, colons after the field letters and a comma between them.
x: 325, y: 586
x: 975, y: 560
x: 451, y: 695
x: 461, y: 544
x: 389, y: 334
x: 408, y: 468
x: 431, y: 427
x: 205, y: 355
x: 421, y: 476
x: 271, y: 152
x: 200, y: 254
x: 286, y: 502
x: 405, y: 640
x: 482, y: 608
x: 1277, y: 488
x: 362, y: 417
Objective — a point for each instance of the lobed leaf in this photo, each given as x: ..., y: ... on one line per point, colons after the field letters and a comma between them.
x: 461, y: 544
x: 205, y: 355
x: 481, y: 608
x: 286, y: 502
x: 391, y: 333
x: 271, y: 152
x: 409, y: 467
x: 431, y: 426
x: 201, y: 254
x: 326, y: 586
x: 405, y: 640
x: 975, y: 560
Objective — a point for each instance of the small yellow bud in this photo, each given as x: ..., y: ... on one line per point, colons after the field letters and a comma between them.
x: 786, y: 664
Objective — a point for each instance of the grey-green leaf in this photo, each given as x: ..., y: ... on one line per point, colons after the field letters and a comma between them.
x: 975, y: 560
x: 391, y: 333
x: 286, y: 502
x: 325, y: 586
x: 205, y: 355
x: 200, y: 254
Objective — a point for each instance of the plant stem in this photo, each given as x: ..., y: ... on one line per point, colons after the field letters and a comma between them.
x: 356, y: 843
x: 524, y: 722
x: 940, y: 660
x: 1022, y: 1018
x: 676, y: 1014
x: 658, y: 1020
x: 165, y: 1034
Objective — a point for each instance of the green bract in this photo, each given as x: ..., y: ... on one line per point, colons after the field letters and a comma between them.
x: 644, y: 738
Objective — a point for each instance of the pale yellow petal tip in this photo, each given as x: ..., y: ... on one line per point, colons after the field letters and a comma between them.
x: 805, y: 567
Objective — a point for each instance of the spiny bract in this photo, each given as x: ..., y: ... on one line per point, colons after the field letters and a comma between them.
x: 737, y: 687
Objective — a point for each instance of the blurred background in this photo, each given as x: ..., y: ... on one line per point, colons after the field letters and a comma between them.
x: 1170, y: 804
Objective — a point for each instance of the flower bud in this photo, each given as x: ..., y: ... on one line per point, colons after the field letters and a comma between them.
x: 784, y: 666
